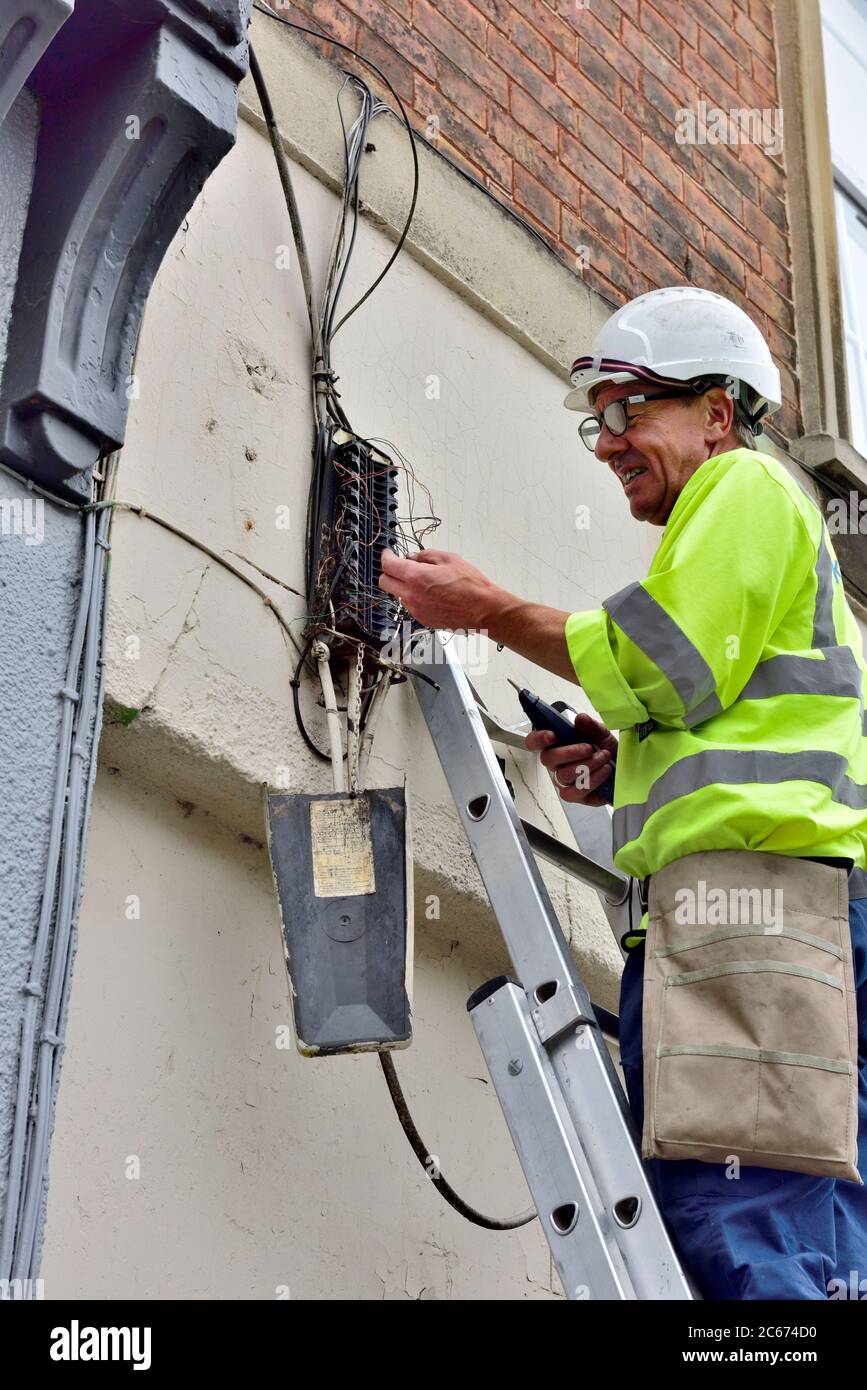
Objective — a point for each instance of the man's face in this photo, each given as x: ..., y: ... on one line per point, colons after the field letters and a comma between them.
x: 667, y: 442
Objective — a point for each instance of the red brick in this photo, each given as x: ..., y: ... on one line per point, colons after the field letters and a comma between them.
x: 774, y: 207
x: 767, y: 168
x: 602, y: 257
x: 554, y: 30
x: 531, y: 194
x: 655, y: 197
x: 724, y: 259
x: 474, y: 143
x: 466, y: 166
x: 497, y: 11
x: 659, y: 29
x: 592, y: 32
x: 609, y: 294
x: 664, y: 168
x: 666, y: 240
x: 765, y: 77
x: 590, y: 99
x: 465, y: 17
x: 599, y: 72
x: 540, y: 87
x: 761, y: 15
x: 465, y: 56
x: 391, y: 29
x: 705, y: 276
x: 723, y: 190
x: 537, y: 49
x: 677, y: 17
x: 607, y: 222
x: 527, y: 151
x: 464, y: 93
x: 335, y: 21
x: 602, y: 145
x: 719, y: 20
x: 726, y: 159
x: 756, y: 41
x: 789, y: 423
x: 606, y: 185
x: 610, y: 12
x: 649, y: 262
x: 774, y: 304
x: 682, y: 90
x: 722, y: 62
x: 766, y: 234
x: 399, y: 73
x: 789, y: 382
x: 658, y: 125
x: 708, y: 82
x: 530, y: 115
x: 718, y: 221
x: 777, y: 275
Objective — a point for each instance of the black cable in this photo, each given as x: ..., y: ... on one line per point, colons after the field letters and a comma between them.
x: 349, y: 49
x: 286, y: 180
x: 422, y: 1153
x: 295, y: 683
x: 323, y: 448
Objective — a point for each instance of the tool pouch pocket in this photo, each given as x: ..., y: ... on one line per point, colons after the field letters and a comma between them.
x: 749, y: 1025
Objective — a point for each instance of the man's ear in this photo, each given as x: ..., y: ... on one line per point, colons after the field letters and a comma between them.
x: 719, y: 413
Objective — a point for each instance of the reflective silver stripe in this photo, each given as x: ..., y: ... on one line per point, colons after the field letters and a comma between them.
x: 755, y: 1054
x: 738, y: 767
x: 837, y: 674
x: 647, y: 624
x: 823, y: 618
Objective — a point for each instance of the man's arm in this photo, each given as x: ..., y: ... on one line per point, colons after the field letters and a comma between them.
x: 442, y: 590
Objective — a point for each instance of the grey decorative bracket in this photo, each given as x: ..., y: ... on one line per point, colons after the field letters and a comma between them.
x: 139, y: 105
x: 26, y: 29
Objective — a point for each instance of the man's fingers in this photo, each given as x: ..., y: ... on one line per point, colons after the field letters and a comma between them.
x: 393, y: 563
x: 539, y: 738
x: 594, y: 729
x: 578, y: 753
x: 431, y: 557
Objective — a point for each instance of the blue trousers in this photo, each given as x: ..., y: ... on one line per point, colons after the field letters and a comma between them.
x: 768, y: 1234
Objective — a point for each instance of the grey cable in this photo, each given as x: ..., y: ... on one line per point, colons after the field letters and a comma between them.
x: 34, y: 988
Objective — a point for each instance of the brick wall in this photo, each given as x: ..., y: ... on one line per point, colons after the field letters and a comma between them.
x: 566, y: 111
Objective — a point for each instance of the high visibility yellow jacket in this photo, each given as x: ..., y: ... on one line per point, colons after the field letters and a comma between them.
x: 735, y: 675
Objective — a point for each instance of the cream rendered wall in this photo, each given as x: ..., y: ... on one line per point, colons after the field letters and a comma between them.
x: 258, y: 1168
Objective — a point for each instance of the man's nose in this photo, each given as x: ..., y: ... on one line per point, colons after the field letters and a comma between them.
x: 610, y: 447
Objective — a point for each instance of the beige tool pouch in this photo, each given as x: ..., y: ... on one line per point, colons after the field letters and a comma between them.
x: 749, y: 1026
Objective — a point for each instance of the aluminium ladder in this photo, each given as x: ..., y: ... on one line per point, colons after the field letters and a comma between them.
x: 556, y: 1082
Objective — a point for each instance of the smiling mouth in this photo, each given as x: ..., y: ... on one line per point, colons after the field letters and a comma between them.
x: 630, y: 475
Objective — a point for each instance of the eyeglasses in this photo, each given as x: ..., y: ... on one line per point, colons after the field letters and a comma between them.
x: 615, y: 417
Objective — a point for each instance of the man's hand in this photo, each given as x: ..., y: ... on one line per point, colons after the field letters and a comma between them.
x: 441, y: 590
x: 573, y: 759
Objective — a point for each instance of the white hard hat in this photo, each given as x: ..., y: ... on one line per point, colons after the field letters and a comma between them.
x: 680, y: 334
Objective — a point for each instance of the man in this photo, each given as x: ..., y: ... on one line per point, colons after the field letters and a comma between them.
x: 734, y: 672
